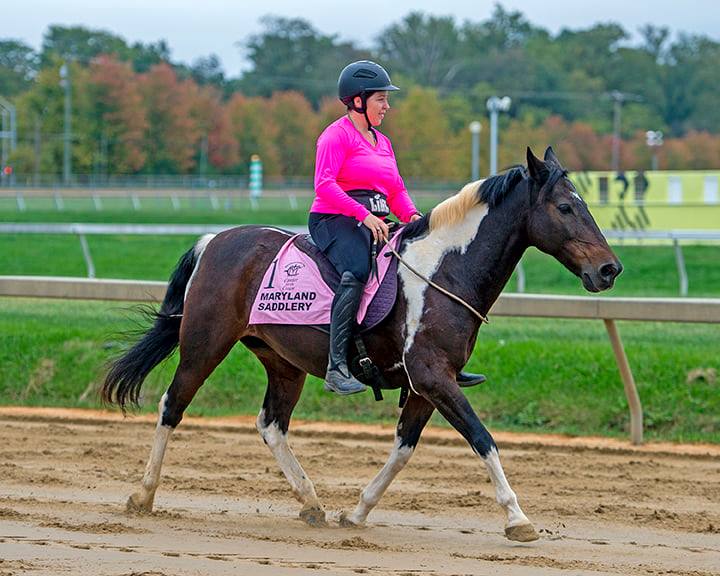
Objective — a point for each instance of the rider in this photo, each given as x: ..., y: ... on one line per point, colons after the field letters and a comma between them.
x: 357, y: 184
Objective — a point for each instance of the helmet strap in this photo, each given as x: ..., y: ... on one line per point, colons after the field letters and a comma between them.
x: 364, y: 97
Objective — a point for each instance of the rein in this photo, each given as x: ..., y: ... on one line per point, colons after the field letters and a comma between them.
x: 437, y: 287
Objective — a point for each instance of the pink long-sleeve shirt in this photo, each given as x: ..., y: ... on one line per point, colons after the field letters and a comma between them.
x: 347, y: 161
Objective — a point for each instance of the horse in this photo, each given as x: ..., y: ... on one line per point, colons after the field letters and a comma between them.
x: 469, y: 244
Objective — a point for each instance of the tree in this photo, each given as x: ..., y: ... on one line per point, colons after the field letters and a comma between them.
x: 504, y: 30
x: 18, y: 67
x: 214, y: 124
x: 425, y: 47
x: 424, y: 145
x: 145, y: 56
x: 43, y: 106
x: 207, y: 70
x: 80, y: 44
x: 291, y: 55
x: 172, y: 137
x: 120, y: 113
x: 594, y: 50
x: 654, y: 41
x: 255, y: 131
x: 297, y: 133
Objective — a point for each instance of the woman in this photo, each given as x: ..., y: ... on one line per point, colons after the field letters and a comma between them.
x: 357, y: 184
x: 356, y: 179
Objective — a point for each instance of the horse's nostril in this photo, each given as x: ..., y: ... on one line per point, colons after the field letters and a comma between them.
x: 608, y: 271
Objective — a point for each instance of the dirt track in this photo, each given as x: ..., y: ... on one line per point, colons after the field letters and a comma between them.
x: 224, y: 508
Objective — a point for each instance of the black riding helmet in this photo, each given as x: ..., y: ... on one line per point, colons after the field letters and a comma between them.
x: 362, y: 78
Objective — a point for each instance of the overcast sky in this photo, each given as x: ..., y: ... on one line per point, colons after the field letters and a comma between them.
x: 196, y: 28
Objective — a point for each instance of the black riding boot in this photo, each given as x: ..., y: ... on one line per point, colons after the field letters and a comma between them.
x: 344, y: 309
x: 467, y: 379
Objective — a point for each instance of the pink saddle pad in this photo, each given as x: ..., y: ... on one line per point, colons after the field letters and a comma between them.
x: 293, y: 290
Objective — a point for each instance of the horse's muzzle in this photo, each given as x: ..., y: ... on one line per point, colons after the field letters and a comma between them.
x: 601, y: 278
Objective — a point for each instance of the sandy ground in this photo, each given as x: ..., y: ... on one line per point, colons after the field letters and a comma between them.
x: 224, y: 508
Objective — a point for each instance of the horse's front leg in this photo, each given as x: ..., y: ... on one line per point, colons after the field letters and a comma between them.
x: 414, y: 417
x: 441, y: 389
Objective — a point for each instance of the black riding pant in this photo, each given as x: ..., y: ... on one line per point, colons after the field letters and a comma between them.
x: 345, y: 241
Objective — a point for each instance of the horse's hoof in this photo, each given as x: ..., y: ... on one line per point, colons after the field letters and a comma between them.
x: 313, y: 516
x: 345, y: 521
x: 135, y: 505
x: 521, y: 533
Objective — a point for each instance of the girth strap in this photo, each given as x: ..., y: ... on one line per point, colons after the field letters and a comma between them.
x: 370, y: 373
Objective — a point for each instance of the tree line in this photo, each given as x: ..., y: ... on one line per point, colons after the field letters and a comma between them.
x: 134, y: 110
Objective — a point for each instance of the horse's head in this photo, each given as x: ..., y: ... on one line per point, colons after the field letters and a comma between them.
x: 561, y: 225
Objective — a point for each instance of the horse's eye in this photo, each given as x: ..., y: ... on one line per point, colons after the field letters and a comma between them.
x: 565, y: 209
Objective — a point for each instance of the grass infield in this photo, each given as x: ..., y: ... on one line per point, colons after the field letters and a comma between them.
x: 544, y: 375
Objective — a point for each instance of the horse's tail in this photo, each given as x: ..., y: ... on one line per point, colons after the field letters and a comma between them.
x: 128, y: 372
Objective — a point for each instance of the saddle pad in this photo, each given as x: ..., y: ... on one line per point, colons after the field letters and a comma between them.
x: 294, y: 291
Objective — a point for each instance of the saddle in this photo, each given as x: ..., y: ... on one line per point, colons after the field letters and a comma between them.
x: 299, y: 285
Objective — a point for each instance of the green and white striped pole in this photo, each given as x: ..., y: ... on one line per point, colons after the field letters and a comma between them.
x: 255, y: 180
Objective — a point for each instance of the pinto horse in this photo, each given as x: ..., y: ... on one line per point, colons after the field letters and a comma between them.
x: 469, y: 244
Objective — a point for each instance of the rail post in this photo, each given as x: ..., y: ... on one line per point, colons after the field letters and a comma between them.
x: 631, y: 393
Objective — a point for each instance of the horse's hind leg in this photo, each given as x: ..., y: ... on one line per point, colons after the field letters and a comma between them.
x: 285, y: 383
x: 142, y: 500
x: 414, y: 417
x: 201, y: 350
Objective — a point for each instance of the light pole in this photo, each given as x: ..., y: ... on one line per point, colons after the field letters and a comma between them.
x: 654, y: 139
x: 495, y: 105
x: 618, y: 98
x: 67, y: 153
x: 475, y: 129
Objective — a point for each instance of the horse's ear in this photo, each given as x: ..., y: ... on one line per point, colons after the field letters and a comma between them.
x: 550, y: 157
x: 536, y: 168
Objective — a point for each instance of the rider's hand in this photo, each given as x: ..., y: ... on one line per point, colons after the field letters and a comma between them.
x: 378, y: 228
x: 415, y: 217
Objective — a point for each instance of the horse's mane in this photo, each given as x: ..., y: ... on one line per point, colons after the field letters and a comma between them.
x: 491, y: 191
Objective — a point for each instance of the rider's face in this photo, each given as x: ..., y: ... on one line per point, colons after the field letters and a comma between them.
x: 377, y: 106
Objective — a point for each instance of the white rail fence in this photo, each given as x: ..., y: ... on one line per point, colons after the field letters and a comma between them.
x: 608, y: 310
x: 83, y: 230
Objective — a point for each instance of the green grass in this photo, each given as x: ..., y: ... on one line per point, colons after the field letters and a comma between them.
x: 545, y: 375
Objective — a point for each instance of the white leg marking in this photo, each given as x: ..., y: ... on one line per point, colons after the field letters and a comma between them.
x: 503, y: 493
x: 301, y: 485
x: 200, y: 246
x: 143, y: 499
x: 373, y: 492
x: 425, y: 255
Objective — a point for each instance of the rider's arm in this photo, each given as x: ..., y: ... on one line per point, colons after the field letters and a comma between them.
x: 332, y: 148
